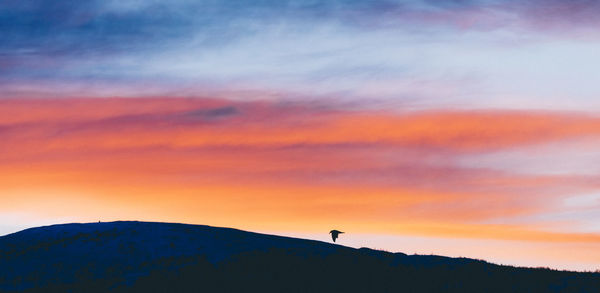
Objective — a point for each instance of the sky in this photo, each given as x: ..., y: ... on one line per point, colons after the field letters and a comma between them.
x: 459, y: 128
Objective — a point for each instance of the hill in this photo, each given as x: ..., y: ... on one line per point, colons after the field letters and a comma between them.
x: 165, y: 257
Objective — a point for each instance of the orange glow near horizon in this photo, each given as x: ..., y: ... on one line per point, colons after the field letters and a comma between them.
x: 270, y: 166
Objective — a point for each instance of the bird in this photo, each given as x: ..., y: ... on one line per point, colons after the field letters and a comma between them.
x: 334, y: 234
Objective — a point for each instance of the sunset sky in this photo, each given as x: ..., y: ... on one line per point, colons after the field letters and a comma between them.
x: 459, y: 128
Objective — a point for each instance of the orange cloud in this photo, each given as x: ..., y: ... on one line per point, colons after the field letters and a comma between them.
x: 272, y: 165
x: 178, y: 123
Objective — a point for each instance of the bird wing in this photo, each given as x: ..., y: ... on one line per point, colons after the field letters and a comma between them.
x: 334, y: 236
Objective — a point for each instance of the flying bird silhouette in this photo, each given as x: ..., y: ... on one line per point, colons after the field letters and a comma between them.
x: 334, y: 234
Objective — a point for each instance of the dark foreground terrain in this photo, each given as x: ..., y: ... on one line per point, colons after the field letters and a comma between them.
x: 162, y: 257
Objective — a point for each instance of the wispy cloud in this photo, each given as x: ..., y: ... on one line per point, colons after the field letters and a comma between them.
x: 295, y: 159
x: 428, y: 53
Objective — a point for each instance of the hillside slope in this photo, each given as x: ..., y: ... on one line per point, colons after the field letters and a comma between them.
x: 165, y: 257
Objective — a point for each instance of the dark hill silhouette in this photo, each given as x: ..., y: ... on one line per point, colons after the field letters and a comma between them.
x: 164, y: 257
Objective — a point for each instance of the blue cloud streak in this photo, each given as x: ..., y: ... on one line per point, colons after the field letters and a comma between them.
x: 434, y: 53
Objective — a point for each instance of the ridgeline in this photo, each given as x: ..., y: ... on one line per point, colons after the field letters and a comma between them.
x: 166, y: 257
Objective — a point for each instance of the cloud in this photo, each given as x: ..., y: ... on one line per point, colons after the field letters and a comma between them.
x: 214, y: 113
x: 419, y: 54
x: 94, y: 123
x: 398, y: 167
